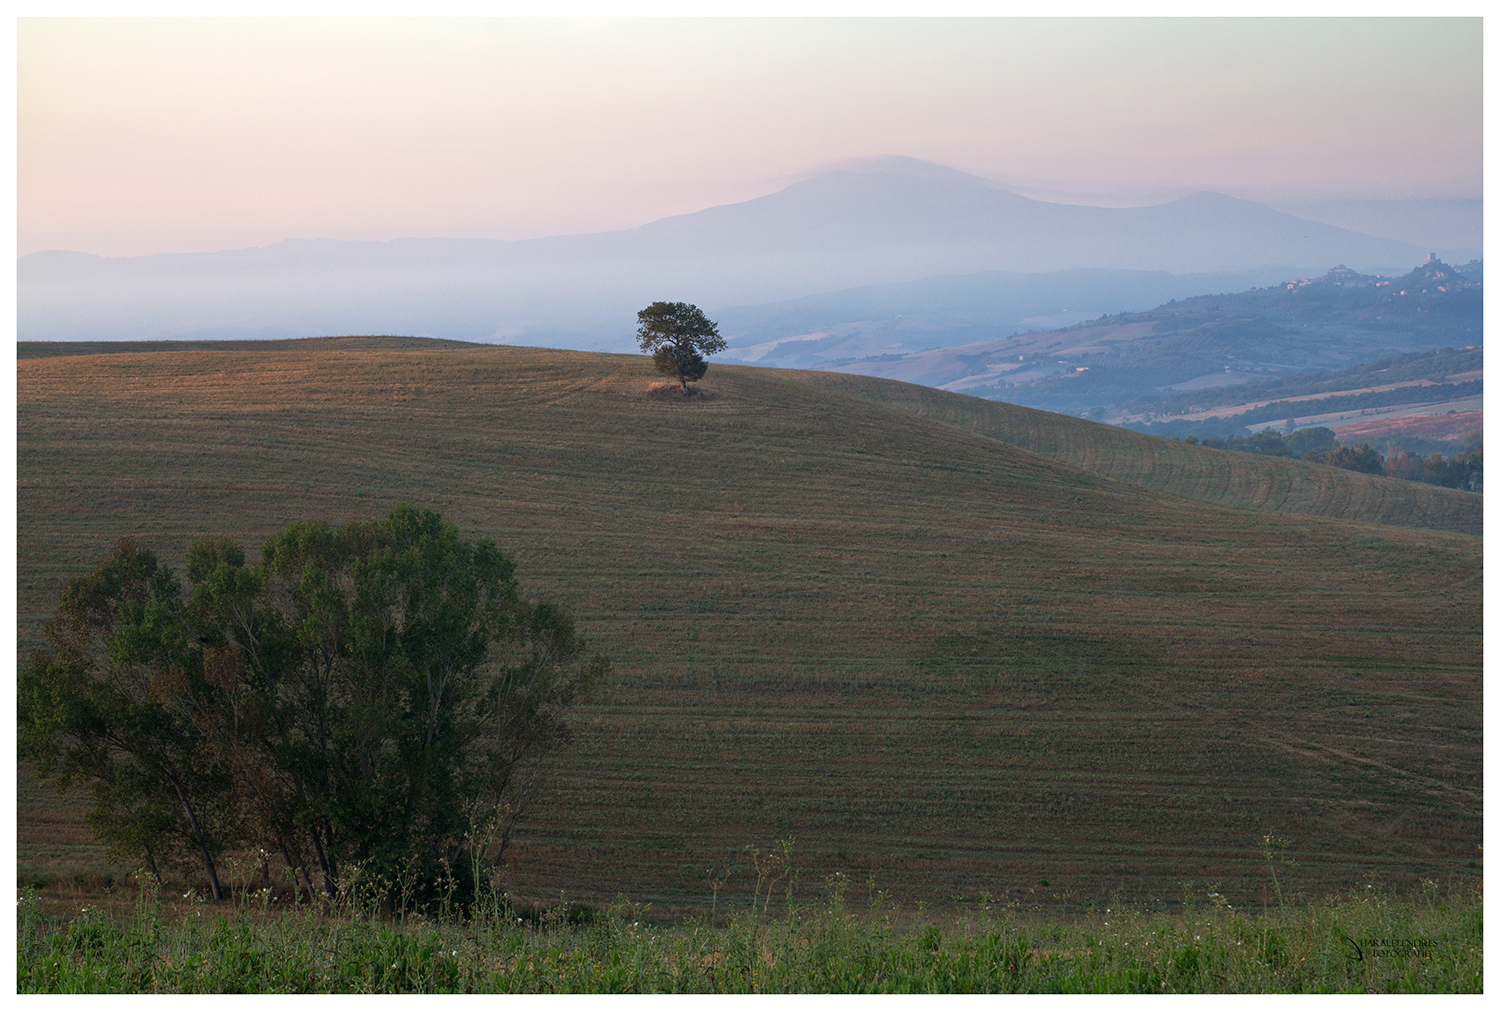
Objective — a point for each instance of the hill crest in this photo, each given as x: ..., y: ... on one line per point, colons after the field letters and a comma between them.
x: 1155, y: 464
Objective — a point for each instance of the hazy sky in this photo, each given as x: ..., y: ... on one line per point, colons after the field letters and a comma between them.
x: 143, y: 136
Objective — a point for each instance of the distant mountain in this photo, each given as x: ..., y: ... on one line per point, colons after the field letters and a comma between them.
x: 917, y: 215
x: 874, y: 221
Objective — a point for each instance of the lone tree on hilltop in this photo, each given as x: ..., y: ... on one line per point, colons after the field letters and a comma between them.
x: 678, y: 335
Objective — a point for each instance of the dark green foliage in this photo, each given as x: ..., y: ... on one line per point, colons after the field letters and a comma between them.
x: 684, y: 363
x: 1181, y: 428
x: 678, y: 335
x: 370, y: 697
x: 1306, y: 440
x: 1464, y: 470
x: 1362, y: 459
x: 1266, y: 442
x: 116, y: 702
x: 1269, y: 442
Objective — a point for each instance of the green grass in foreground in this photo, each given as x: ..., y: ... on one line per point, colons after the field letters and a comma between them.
x: 1365, y: 942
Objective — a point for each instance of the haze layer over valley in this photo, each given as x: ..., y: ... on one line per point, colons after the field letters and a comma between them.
x: 871, y: 221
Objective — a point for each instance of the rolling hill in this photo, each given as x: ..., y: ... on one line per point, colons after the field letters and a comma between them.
x: 1274, y: 484
x: 850, y: 615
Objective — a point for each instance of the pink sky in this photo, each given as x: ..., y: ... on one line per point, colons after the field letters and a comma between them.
x: 144, y: 136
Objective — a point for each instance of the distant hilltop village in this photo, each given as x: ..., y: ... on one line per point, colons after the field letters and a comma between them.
x: 1434, y: 275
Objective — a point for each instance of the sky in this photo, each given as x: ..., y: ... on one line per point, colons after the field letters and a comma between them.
x: 177, y: 135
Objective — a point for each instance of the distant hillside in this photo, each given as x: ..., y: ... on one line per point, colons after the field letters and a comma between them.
x: 880, y: 322
x: 1415, y: 371
x: 1196, y: 351
x: 882, y: 220
x: 1409, y: 390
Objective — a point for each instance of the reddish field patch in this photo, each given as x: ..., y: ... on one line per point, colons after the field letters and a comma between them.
x: 1422, y: 426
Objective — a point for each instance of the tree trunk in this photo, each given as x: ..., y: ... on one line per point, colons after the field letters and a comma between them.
x: 328, y: 885
x: 208, y: 866
x: 151, y: 861
x: 208, y: 860
x: 296, y: 866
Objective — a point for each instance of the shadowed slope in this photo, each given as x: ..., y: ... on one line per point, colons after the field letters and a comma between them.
x: 1174, y: 468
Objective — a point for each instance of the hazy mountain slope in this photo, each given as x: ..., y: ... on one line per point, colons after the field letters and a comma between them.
x: 833, y: 328
x: 884, y: 220
x: 1174, y: 468
x: 1204, y: 343
x: 909, y: 204
x: 936, y: 661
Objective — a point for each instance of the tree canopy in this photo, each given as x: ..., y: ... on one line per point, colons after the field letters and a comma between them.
x: 678, y: 336
x: 376, y: 696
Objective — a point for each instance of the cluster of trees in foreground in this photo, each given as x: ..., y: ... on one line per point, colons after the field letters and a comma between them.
x: 1464, y: 471
x: 377, y: 696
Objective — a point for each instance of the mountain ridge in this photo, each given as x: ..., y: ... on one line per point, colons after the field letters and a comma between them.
x: 809, y: 202
x: 836, y: 229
